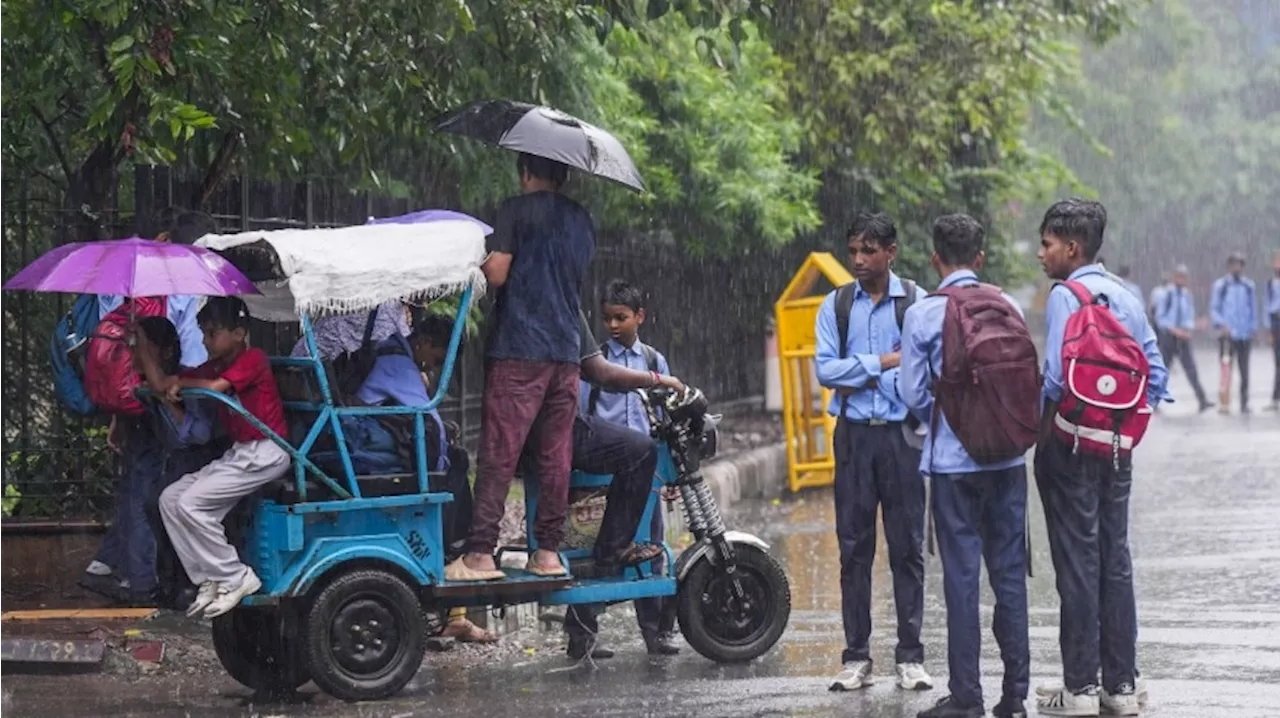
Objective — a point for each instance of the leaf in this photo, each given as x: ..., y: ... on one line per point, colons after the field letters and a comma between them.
x: 121, y: 44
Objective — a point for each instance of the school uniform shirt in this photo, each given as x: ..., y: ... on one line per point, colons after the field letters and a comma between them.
x: 1273, y: 296
x: 1126, y: 308
x: 921, y: 361
x: 396, y: 380
x: 1233, y: 305
x: 1177, y: 310
x: 624, y: 407
x: 1158, y: 295
x: 873, y: 330
x: 182, y: 311
x: 253, y: 384
x: 551, y: 240
x: 1133, y: 288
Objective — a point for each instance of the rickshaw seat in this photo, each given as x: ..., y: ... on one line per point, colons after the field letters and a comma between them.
x: 285, y: 490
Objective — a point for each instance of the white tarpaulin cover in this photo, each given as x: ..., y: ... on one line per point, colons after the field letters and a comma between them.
x: 352, y: 269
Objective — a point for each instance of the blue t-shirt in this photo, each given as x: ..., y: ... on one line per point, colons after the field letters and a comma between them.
x: 551, y: 239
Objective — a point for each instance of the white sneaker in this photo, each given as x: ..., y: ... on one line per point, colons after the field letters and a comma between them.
x: 856, y: 674
x: 1065, y: 703
x: 1140, y: 689
x: 913, y: 677
x: 205, y: 596
x: 229, y: 595
x: 1123, y: 703
x: 98, y: 568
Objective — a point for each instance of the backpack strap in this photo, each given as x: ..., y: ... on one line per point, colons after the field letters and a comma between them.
x: 593, y: 397
x: 368, y: 326
x: 900, y: 304
x: 844, y: 307
x: 650, y: 357
x: 1079, y: 291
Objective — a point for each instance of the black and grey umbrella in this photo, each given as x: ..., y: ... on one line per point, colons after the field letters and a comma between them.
x: 546, y: 132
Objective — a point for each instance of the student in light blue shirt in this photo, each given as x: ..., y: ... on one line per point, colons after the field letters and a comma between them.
x: 978, y: 509
x: 875, y: 466
x: 1086, y: 498
x: 1273, y: 315
x: 1233, y: 307
x: 1164, y: 340
x: 624, y: 313
x: 1176, y: 317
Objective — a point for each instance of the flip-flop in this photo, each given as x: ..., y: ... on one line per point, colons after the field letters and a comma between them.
x: 638, y: 553
x: 471, y: 633
x: 459, y: 571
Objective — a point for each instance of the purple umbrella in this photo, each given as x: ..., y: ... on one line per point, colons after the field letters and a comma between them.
x: 431, y: 215
x: 132, y: 267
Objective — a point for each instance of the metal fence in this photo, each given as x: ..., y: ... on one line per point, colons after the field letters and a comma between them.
x: 708, y: 316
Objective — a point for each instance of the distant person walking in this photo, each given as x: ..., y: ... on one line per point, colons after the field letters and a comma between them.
x: 1273, y: 314
x: 1176, y: 318
x: 1123, y: 273
x: 876, y: 469
x: 1234, y: 310
x: 1163, y: 338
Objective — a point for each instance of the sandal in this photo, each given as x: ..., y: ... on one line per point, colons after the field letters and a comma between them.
x: 464, y: 631
x: 638, y: 553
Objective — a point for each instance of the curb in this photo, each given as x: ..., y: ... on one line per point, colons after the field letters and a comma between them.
x: 755, y: 474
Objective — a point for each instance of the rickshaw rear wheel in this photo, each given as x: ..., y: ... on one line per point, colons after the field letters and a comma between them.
x: 365, y: 635
x: 258, y: 649
x: 719, y: 625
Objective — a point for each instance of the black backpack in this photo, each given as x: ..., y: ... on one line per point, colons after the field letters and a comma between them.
x: 650, y: 360
x: 349, y: 370
x: 844, y: 307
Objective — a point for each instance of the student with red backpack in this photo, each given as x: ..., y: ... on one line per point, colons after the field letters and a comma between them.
x: 1103, y: 376
x: 969, y: 370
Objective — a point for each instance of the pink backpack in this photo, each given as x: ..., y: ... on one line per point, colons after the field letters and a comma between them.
x: 109, y: 376
x: 1104, y: 409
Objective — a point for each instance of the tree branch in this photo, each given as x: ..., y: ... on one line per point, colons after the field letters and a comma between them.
x: 53, y: 141
x: 219, y: 169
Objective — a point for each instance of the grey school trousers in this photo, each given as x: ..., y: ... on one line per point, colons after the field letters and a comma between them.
x: 194, y: 506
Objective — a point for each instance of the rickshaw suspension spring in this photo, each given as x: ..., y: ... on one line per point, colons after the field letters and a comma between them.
x: 710, y: 512
x: 693, y: 509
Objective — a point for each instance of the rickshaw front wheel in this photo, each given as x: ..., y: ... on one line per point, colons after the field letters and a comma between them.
x: 258, y: 649
x: 365, y: 635
x: 724, y: 626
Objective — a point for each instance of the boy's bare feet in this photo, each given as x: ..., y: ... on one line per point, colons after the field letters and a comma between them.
x: 545, y: 563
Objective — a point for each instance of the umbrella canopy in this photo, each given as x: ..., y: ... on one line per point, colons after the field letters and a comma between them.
x: 431, y: 215
x: 546, y: 132
x: 132, y: 267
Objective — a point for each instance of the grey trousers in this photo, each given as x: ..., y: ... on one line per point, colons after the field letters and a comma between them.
x: 194, y: 506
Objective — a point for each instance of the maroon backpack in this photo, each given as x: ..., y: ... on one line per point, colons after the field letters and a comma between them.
x: 989, y: 387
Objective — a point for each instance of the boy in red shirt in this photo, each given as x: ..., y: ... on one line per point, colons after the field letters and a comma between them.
x: 193, y: 507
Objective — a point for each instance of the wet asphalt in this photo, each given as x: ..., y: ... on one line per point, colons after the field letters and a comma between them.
x: 1206, y: 544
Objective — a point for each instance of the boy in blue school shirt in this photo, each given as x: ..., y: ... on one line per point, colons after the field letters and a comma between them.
x: 1175, y: 317
x: 1086, y: 498
x: 623, y: 314
x: 875, y: 466
x: 1233, y: 307
x: 1273, y: 313
x: 978, y: 509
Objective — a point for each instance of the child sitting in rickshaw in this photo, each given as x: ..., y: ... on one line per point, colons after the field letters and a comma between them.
x: 193, y: 508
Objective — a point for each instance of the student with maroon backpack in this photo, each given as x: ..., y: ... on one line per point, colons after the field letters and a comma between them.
x: 1103, y: 376
x: 969, y: 370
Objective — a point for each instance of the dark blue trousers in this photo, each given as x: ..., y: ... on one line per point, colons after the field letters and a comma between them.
x: 980, y: 516
x: 130, y: 546
x: 875, y: 468
x: 1086, y: 508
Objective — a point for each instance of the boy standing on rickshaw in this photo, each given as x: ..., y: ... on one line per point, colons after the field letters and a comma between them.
x: 539, y: 253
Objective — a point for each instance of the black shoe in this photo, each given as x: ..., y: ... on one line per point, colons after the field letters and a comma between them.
x: 661, y: 644
x: 1009, y: 708
x: 577, y: 651
x: 1205, y: 406
x: 180, y: 600
x: 948, y: 707
x: 141, y: 599
x: 106, y: 586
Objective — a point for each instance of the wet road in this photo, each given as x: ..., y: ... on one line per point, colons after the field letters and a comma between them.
x: 1206, y: 542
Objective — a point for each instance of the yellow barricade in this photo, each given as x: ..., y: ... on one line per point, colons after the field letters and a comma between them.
x: 804, y: 402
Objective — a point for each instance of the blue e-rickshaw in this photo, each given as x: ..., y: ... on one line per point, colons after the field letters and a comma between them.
x: 353, y: 566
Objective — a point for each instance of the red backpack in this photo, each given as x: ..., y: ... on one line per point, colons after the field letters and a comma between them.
x: 1104, y: 409
x: 989, y: 386
x: 109, y: 376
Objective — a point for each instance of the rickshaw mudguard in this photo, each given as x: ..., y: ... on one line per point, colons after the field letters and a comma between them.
x: 690, y: 556
x: 293, y: 547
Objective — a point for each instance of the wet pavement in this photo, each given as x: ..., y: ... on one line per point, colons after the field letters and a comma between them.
x: 1206, y: 544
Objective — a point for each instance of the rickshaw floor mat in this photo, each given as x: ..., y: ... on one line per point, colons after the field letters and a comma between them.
x: 517, y: 581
